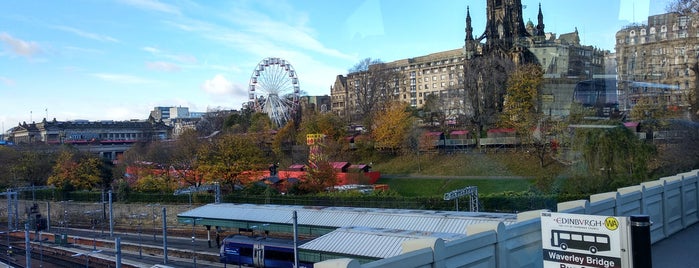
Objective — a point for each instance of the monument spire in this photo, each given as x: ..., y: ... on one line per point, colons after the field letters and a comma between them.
x: 540, y: 23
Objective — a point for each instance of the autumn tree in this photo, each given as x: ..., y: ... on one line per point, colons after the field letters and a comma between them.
x: 260, y: 122
x: 238, y: 122
x: 521, y: 109
x: 231, y: 159
x: 320, y: 178
x: 327, y: 124
x: 391, y: 126
x: 372, y: 82
x: 182, y: 161
x: 653, y: 111
x: 284, y: 140
x: 7, y: 155
x: 76, y: 171
x: 31, y: 167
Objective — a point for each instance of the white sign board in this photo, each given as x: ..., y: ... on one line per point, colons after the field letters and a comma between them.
x: 582, y: 241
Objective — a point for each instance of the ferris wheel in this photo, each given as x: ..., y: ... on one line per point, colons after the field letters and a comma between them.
x: 274, y: 90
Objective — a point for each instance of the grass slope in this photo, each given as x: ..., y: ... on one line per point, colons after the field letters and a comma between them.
x: 436, y: 174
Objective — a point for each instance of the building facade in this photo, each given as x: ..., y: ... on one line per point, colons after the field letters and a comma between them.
x: 564, y: 60
x: 655, y: 61
x: 105, y: 133
x: 437, y: 73
x: 55, y: 132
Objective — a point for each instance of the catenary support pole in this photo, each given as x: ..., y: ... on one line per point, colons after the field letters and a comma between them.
x: 111, y: 216
x: 164, y: 235
x: 48, y: 216
x: 117, y: 244
x: 640, y: 241
x: 27, y: 245
x: 296, y: 241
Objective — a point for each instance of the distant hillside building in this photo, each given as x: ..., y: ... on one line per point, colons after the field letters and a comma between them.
x: 564, y: 60
x: 83, y: 132
x: 655, y: 59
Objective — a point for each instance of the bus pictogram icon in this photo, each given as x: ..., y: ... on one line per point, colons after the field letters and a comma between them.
x: 579, y: 240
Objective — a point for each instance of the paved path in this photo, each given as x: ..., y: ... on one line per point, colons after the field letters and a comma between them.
x: 678, y: 250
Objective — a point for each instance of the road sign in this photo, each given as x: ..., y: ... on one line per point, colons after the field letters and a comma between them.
x: 578, y: 240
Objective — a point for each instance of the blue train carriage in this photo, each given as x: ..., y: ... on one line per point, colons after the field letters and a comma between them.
x: 259, y: 252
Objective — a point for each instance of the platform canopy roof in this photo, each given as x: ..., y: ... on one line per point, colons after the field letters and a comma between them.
x: 336, y: 217
x: 376, y: 243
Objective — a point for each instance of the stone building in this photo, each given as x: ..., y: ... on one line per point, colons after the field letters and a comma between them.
x: 54, y: 132
x: 655, y: 61
x: 320, y: 104
x: 564, y: 60
x: 436, y: 73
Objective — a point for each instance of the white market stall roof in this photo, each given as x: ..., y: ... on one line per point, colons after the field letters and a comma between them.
x: 370, y: 242
x: 399, y: 219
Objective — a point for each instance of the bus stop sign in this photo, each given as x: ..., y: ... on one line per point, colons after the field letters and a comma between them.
x: 578, y: 240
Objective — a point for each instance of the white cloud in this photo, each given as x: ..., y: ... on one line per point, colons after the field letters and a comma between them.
x: 122, y: 78
x: 163, y: 66
x: 265, y: 29
x: 7, y: 81
x: 219, y: 85
x: 151, y: 50
x: 153, y: 5
x: 81, y: 33
x: 20, y: 47
x: 176, y: 57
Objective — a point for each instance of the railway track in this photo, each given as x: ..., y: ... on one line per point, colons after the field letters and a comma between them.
x: 82, y: 248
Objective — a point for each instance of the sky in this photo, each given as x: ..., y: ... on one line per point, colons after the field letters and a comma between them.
x: 118, y: 59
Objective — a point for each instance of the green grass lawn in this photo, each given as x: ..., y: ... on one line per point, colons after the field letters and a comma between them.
x: 429, y: 175
x: 410, y: 187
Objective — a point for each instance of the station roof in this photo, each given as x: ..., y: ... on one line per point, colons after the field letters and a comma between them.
x: 336, y: 217
x: 370, y: 242
x: 372, y: 233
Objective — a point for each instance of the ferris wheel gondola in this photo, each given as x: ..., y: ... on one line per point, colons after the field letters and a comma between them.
x: 274, y: 90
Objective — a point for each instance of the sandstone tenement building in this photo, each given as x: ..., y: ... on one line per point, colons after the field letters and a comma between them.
x: 655, y: 61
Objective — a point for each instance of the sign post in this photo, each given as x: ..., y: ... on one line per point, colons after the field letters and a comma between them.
x: 577, y: 241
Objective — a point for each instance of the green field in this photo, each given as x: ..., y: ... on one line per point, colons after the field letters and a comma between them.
x: 436, y: 174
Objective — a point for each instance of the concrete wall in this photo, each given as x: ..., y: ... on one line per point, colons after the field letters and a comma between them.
x: 65, y: 214
x: 672, y: 204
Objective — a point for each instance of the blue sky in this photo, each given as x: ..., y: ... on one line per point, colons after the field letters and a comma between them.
x: 117, y: 59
